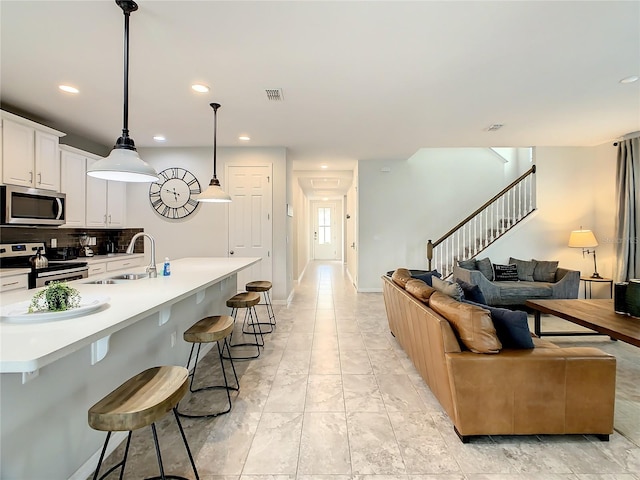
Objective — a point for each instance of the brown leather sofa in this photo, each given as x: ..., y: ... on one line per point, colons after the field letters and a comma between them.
x: 544, y: 390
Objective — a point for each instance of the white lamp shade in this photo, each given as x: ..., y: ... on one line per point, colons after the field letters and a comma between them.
x: 123, y: 165
x: 582, y: 239
x: 213, y: 193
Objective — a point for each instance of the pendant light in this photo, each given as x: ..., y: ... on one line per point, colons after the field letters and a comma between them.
x: 214, y: 192
x: 123, y: 163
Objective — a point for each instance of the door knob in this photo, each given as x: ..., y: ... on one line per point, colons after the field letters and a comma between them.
x: 231, y: 252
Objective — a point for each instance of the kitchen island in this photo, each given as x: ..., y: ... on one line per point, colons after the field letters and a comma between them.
x: 52, y: 372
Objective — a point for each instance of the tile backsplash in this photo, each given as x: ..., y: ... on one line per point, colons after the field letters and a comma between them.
x: 69, y: 237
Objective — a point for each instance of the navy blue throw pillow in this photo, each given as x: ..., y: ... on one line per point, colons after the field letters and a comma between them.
x: 472, y: 292
x: 426, y: 276
x: 511, y: 327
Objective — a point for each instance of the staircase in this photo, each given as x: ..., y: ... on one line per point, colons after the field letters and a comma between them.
x: 484, y: 226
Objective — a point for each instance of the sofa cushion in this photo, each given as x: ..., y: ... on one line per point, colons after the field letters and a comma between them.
x: 468, y: 264
x: 426, y: 276
x: 486, y: 268
x: 525, y: 268
x: 471, y: 292
x: 545, y: 271
x: 419, y: 289
x: 505, y: 273
x: 448, y: 288
x: 524, y: 290
x: 472, y: 323
x: 511, y: 327
x: 401, y: 276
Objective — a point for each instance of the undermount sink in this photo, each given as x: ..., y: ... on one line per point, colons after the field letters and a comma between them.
x: 129, y: 276
x: 122, y: 278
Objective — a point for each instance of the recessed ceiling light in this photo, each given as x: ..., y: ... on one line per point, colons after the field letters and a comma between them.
x: 631, y: 79
x: 68, y: 89
x: 200, y: 88
x: 324, y: 199
x: 244, y: 138
x: 160, y: 138
x: 324, y: 166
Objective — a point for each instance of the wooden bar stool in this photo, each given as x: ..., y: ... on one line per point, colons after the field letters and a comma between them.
x: 263, y: 286
x: 208, y: 330
x: 248, y: 301
x: 138, y: 402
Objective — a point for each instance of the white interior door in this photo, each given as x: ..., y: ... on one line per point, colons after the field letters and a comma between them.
x: 250, y: 219
x: 326, y: 241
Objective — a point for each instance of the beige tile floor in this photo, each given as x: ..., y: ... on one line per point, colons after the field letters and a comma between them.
x: 333, y: 397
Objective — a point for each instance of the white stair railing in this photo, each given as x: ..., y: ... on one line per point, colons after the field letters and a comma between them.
x: 484, y: 226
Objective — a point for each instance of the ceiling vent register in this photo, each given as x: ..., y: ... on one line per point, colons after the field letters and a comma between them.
x: 274, y: 94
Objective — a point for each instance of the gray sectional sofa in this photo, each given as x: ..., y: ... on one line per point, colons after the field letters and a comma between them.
x: 536, y: 280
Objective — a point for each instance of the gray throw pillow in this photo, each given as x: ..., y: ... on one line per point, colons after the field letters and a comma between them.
x: 453, y: 290
x: 485, y: 267
x: 525, y: 268
x: 468, y: 264
x: 545, y: 271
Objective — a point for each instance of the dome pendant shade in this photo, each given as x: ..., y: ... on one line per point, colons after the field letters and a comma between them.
x: 123, y: 163
x: 214, y: 192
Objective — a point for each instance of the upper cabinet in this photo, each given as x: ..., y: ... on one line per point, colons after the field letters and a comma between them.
x: 106, y: 202
x: 73, y: 171
x: 29, y: 153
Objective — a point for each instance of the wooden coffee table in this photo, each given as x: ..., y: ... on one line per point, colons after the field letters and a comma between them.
x: 596, y: 315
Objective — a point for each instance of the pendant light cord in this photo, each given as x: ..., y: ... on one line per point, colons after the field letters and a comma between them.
x: 215, y: 107
x: 124, y: 141
x: 125, y: 113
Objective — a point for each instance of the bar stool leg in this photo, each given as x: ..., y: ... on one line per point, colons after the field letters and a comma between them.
x: 158, y: 456
x: 122, y: 462
x: 226, y: 385
x: 256, y: 322
x: 186, y: 444
x: 257, y: 344
x: 270, y: 312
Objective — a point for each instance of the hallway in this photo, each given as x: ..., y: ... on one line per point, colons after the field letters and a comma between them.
x: 333, y: 397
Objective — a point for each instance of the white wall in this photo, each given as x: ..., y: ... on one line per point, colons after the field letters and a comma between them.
x: 205, y: 232
x: 351, y: 208
x: 416, y: 200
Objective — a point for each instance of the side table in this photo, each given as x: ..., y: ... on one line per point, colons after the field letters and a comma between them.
x: 590, y: 281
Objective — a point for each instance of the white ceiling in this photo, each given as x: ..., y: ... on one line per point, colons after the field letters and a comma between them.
x: 361, y: 80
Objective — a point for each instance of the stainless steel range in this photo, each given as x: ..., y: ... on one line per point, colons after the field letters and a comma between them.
x: 20, y: 255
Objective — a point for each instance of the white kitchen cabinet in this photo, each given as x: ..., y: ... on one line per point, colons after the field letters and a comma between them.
x: 124, y: 264
x: 73, y: 173
x: 29, y: 153
x: 106, y: 202
x: 97, y: 268
x: 14, y: 282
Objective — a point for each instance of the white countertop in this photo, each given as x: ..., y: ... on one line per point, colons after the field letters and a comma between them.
x: 107, y: 258
x: 29, y: 346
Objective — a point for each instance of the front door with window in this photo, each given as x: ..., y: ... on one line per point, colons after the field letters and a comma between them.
x: 325, y: 232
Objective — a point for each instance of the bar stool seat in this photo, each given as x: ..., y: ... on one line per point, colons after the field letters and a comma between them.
x: 263, y: 286
x: 243, y: 300
x: 209, y: 330
x: 247, y: 300
x: 137, y: 403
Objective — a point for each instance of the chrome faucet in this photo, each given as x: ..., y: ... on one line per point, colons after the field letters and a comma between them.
x: 151, y: 269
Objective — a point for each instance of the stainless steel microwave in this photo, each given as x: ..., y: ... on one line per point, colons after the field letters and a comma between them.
x: 31, y: 206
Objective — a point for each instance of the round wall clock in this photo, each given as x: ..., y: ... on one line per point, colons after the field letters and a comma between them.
x: 172, y: 195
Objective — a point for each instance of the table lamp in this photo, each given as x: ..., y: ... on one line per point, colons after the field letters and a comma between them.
x: 585, y: 239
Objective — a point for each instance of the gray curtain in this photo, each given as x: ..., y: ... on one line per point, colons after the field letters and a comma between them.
x: 628, y: 210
